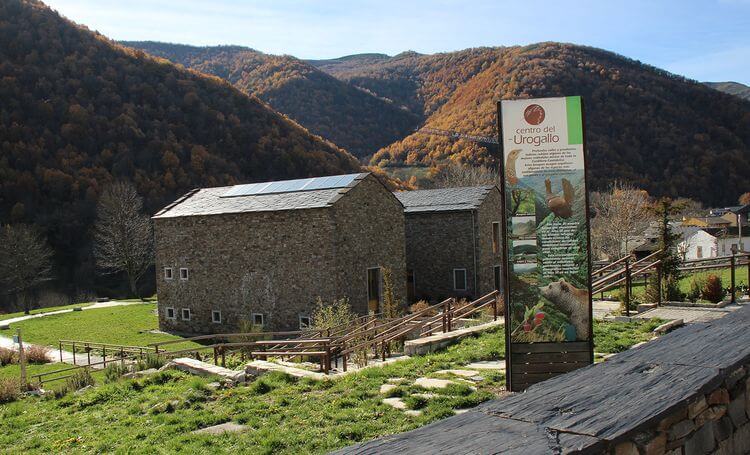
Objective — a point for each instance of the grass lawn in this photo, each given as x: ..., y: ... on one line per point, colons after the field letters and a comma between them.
x: 45, y: 310
x: 740, y: 277
x: 14, y: 371
x: 284, y: 415
x: 126, y: 325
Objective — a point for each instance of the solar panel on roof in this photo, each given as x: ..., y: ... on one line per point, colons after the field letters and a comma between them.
x: 288, y: 186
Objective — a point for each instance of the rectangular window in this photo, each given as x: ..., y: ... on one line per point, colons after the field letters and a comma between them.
x: 216, y: 317
x: 258, y: 319
x: 498, y: 277
x: 186, y: 314
x: 373, y: 290
x: 459, y: 279
x: 495, y: 237
x: 184, y: 274
x: 170, y: 313
x: 168, y: 273
x: 304, y: 322
x: 699, y: 251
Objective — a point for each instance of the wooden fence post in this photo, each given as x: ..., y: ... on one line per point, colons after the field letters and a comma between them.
x: 60, y: 343
x: 627, y: 287
x: 658, y: 283
x: 22, y: 360
x: 732, y: 265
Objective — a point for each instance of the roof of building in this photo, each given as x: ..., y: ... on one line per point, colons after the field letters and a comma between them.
x: 318, y: 192
x: 443, y: 199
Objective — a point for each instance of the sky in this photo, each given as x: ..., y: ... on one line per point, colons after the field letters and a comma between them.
x: 703, y: 40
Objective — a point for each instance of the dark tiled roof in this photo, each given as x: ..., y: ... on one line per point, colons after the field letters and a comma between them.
x: 210, y: 201
x: 444, y: 199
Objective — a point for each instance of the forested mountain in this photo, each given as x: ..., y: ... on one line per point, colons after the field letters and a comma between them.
x: 664, y: 133
x: 350, y: 117
x: 733, y: 88
x: 78, y: 111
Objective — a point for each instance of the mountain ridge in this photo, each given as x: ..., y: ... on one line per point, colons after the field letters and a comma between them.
x: 325, y: 105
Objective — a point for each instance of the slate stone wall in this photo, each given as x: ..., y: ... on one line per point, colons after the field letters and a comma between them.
x: 368, y: 233
x: 715, y: 422
x: 438, y: 242
x: 490, y: 211
x: 276, y: 263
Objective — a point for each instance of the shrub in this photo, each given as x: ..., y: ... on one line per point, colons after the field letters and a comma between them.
x: 328, y: 315
x: 392, y: 305
x: 632, y: 305
x: 10, y: 390
x: 421, y: 305
x: 114, y: 371
x: 37, y: 354
x: 696, y: 287
x: 7, y: 357
x: 415, y: 402
x: 80, y: 379
x: 713, y: 290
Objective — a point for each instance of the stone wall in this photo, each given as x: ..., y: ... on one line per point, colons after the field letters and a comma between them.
x: 490, y: 211
x: 437, y: 243
x: 271, y: 263
x: 713, y: 422
x: 368, y: 233
x: 277, y: 263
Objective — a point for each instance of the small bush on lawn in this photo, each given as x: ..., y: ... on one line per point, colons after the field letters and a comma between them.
x: 114, y: 371
x: 713, y: 290
x: 696, y: 287
x: 415, y: 402
x: 37, y: 354
x: 82, y: 378
x: 10, y: 390
x: 7, y: 357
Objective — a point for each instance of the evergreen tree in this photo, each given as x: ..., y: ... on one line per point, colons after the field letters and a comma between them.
x: 665, y: 209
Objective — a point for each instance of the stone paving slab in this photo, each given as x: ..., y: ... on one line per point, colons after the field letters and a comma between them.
x: 687, y: 314
x: 199, y: 368
x: 228, y: 427
x: 486, y: 365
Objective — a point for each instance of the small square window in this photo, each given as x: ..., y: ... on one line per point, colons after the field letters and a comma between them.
x: 170, y: 313
x: 459, y: 279
x: 259, y: 319
x: 304, y: 322
x: 186, y: 314
x: 216, y: 317
x: 184, y: 274
x: 168, y: 273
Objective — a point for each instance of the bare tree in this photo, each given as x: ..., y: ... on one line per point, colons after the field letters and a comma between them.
x: 25, y: 262
x: 456, y: 175
x: 123, y: 239
x: 621, y: 213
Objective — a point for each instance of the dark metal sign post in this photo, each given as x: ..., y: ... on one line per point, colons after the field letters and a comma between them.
x: 546, y: 244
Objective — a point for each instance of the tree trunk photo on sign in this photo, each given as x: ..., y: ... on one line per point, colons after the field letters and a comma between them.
x: 123, y: 237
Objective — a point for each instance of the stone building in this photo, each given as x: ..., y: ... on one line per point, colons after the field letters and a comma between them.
x: 453, y: 242
x: 263, y: 253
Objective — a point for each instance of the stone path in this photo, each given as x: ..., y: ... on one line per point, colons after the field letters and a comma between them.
x: 603, y: 308
x: 467, y: 376
x: 688, y: 314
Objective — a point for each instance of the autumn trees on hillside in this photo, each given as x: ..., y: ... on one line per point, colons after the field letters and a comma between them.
x: 79, y: 112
